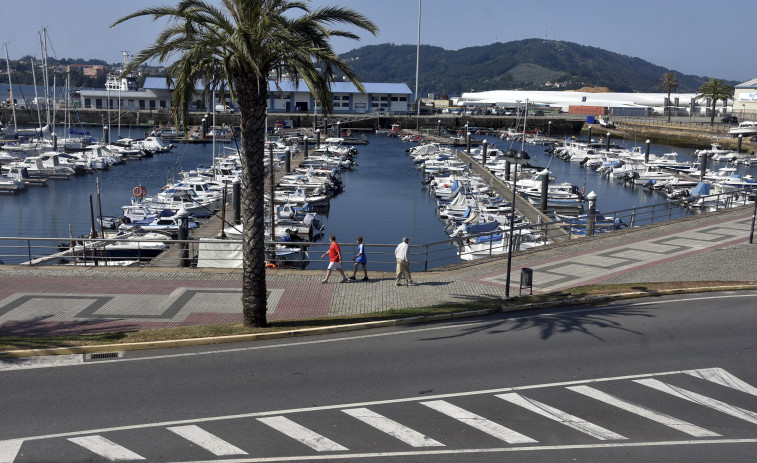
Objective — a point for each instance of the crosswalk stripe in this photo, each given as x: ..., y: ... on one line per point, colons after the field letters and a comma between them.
x: 560, y: 416
x: 722, y: 377
x: 9, y: 449
x: 661, y: 418
x: 699, y: 399
x: 479, y: 422
x: 206, y: 440
x: 105, y: 448
x: 302, y: 434
x: 391, y: 427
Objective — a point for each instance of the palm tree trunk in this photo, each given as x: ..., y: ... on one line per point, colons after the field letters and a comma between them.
x: 668, y: 105
x: 712, y: 113
x: 252, y: 99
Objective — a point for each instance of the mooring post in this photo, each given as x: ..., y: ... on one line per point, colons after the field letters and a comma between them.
x: 305, y: 142
x: 592, y: 198
x: 236, y: 201
x: 646, y: 153
x: 288, y: 160
x: 183, y: 221
x: 544, y: 191
x: 485, y: 147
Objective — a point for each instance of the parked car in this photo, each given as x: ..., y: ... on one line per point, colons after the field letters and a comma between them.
x: 730, y: 120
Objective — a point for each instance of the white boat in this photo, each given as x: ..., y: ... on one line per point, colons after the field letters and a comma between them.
x: 11, y: 184
x: 181, y: 198
x: 745, y: 128
x: 717, y: 152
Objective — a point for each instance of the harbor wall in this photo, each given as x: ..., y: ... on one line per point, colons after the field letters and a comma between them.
x: 92, y: 117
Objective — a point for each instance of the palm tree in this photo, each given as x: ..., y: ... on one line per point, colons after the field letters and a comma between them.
x: 669, y: 83
x: 715, y: 90
x: 242, y: 44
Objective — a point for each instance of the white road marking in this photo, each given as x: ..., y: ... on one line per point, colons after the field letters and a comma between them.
x: 350, y: 405
x: 722, y: 377
x: 443, y: 452
x: 105, y: 448
x: 9, y: 449
x: 699, y: 399
x: 661, y: 418
x: 560, y: 416
x: 26, y: 363
x: 206, y: 440
x: 302, y: 434
x: 391, y: 427
x: 479, y: 422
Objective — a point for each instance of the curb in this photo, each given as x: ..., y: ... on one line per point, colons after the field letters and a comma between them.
x: 111, y: 348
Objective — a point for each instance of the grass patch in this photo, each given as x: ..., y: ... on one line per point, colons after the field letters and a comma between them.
x: 202, y: 331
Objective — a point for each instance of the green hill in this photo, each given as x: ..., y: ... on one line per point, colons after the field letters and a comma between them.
x: 532, y: 64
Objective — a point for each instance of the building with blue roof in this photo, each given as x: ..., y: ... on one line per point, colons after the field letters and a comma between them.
x: 285, y: 97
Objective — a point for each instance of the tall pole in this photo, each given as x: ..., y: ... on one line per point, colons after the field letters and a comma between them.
x: 510, y: 235
x: 523, y: 138
x: 417, y: 66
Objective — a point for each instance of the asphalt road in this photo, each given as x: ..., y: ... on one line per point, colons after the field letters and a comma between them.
x: 658, y: 379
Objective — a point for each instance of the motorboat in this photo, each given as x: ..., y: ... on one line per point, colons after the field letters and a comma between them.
x: 745, y: 129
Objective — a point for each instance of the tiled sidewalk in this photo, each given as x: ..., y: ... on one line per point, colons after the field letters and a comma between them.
x: 43, y: 301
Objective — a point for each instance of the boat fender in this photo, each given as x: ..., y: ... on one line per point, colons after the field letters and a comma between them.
x: 271, y: 265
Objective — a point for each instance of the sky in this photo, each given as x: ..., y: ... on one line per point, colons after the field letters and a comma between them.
x: 681, y: 35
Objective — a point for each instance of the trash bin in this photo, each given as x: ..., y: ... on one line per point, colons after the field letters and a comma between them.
x: 526, y: 280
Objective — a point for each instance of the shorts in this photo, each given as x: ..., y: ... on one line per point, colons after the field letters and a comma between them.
x: 335, y: 265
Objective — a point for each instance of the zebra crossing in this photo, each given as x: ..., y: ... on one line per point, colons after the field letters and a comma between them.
x: 505, y: 419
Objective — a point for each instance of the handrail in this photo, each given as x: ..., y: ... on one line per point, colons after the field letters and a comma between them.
x: 37, y: 251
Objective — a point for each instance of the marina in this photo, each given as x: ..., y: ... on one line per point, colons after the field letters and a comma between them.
x: 383, y: 196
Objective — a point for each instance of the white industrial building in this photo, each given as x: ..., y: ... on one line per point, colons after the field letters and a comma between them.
x: 745, y: 98
x: 285, y: 97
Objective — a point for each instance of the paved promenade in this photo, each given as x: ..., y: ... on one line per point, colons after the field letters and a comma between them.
x: 42, y: 301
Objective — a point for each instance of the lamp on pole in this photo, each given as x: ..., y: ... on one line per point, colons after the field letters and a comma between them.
x: 516, y: 158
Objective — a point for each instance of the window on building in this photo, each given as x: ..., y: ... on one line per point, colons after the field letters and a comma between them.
x: 87, y: 103
x: 152, y: 104
x: 141, y: 104
x: 403, y: 98
x: 395, y: 98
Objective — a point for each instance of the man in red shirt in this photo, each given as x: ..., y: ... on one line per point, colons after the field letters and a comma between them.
x: 335, y: 260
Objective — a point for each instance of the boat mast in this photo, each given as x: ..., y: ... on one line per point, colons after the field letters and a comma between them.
x: 10, y: 87
x: 36, y: 97
x: 43, y: 39
x: 417, y: 65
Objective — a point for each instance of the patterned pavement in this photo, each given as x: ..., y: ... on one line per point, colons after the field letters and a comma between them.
x: 44, y: 301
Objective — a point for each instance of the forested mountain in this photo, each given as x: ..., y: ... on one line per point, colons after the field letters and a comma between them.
x: 532, y: 64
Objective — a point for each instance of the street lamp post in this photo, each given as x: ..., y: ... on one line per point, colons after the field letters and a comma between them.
x: 516, y: 158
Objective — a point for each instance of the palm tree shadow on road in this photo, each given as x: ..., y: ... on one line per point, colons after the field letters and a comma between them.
x: 587, y: 322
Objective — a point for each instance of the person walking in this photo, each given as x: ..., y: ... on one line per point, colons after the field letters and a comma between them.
x: 335, y: 260
x: 403, y: 264
x: 360, y: 259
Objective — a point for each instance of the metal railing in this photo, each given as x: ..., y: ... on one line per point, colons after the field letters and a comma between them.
x: 423, y: 257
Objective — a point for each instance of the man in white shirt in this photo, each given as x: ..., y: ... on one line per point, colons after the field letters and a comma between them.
x: 403, y: 265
